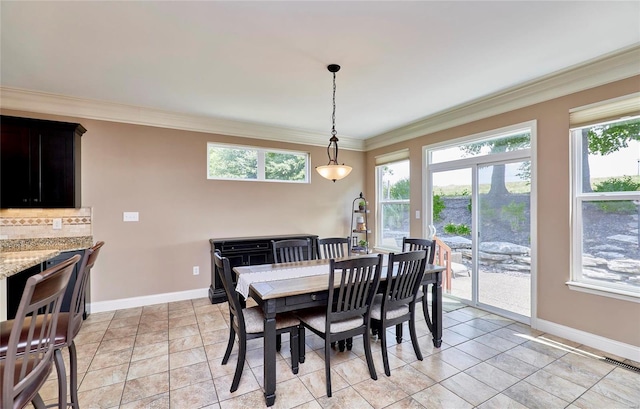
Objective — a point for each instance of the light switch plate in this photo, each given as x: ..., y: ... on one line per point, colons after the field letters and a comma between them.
x: 57, y: 224
x: 130, y: 217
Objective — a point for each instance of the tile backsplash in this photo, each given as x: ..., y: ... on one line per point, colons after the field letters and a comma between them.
x: 39, y: 223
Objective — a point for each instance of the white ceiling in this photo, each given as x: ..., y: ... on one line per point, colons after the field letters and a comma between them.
x: 265, y: 62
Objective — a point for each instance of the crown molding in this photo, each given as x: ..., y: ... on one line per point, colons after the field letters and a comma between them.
x: 611, y: 67
x: 46, y: 103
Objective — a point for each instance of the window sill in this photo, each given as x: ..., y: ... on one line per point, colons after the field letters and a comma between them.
x: 380, y: 249
x: 604, y: 292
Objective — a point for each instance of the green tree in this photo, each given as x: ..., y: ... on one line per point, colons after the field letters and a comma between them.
x: 507, y: 144
x: 396, y: 214
x: 400, y: 190
x: 233, y: 163
x: 606, y: 139
x: 284, y: 166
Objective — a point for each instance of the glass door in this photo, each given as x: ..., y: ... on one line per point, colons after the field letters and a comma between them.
x: 479, y: 197
x: 451, y: 202
x: 503, y: 261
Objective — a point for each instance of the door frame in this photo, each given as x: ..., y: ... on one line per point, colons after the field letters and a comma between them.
x: 473, y: 163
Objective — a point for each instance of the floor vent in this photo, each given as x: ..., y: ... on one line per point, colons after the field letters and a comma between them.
x: 622, y: 364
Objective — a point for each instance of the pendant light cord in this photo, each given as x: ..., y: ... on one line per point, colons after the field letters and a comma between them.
x: 333, y: 116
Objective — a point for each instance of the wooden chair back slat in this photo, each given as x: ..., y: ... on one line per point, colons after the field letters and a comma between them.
x: 223, y: 269
x: 413, y: 244
x: 289, y: 251
x: 359, y: 279
x: 407, y: 270
x: 333, y: 247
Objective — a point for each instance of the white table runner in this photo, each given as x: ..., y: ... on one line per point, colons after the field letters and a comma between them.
x: 245, y: 280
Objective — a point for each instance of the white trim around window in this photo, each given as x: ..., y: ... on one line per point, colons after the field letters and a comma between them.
x: 254, y: 167
x: 582, y: 279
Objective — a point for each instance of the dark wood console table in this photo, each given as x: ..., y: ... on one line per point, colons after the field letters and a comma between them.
x: 246, y: 251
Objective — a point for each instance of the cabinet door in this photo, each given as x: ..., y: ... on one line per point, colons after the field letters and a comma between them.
x: 56, y: 188
x: 15, y: 167
x: 66, y: 301
x: 258, y: 258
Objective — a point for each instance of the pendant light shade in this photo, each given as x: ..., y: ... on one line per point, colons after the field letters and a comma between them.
x: 333, y: 170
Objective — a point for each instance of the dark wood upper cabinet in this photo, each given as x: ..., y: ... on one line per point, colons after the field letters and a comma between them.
x: 39, y: 163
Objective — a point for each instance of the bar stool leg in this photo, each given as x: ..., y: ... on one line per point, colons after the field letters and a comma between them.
x: 62, y: 378
x: 73, y: 363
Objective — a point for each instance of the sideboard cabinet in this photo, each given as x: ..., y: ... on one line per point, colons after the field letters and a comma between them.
x: 246, y: 251
x: 39, y: 163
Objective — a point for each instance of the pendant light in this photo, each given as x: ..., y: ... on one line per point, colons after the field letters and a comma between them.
x: 333, y: 171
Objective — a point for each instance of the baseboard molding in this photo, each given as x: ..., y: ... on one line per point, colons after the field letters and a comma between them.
x: 112, y: 305
x: 595, y: 341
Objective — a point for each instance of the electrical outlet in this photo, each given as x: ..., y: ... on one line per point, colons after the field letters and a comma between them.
x: 130, y: 217
x: 57, y: 224
x: 196, y: 270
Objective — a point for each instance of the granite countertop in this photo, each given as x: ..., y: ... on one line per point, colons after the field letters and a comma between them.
x: 17, y: 255
x: 48, y: 243
x: 13, y: 262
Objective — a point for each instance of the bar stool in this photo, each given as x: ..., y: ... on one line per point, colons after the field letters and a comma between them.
x: 29, y: 349
x: 69, y: 324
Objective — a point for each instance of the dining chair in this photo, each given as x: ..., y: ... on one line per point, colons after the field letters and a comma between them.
x: 352, y: 286
x: 28, y: 357
x: 328, y: 248
x: 397, y: 303
x: 69, y: 324
x: 413, y: 244
x: 248, y: 323
x: 333, y: 247
x: 288, y: 251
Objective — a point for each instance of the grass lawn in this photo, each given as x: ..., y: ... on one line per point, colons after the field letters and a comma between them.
x: 513, y: 187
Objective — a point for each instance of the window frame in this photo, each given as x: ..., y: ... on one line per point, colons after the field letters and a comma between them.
x: 380, y: 201
x: 260, y: 171
x: 577, y: 280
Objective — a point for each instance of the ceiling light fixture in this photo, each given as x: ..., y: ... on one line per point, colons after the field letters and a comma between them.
x: 333, y: 170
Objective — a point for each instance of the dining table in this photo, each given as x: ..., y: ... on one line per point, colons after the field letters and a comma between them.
x: 284, y: 287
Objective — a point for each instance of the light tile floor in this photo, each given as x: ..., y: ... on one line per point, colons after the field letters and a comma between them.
x: 168, y: 356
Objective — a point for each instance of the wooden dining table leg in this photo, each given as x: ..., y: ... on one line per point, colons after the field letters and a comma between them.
x: 436, y: 311
x: 269, y: 352
x: 425, y: 307
x: 434, y: 321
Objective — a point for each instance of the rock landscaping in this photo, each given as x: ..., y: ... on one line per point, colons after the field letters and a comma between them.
x: 611, y: 249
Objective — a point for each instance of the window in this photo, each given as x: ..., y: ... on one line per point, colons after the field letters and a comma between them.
x: 606, y: 202
x: 230, y: 162
x: 393, y: 204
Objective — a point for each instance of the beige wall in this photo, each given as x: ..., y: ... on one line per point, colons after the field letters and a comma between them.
x: 604, y: 316
x: 161, y: 173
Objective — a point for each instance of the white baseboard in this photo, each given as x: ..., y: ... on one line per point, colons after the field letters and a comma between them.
x: 595, y: 341
x: 112, y: 305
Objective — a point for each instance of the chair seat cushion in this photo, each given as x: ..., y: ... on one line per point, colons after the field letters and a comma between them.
x: 5, y: 333
x: 317, y: 320
x: 376, y: 309
x: 254, y: 320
